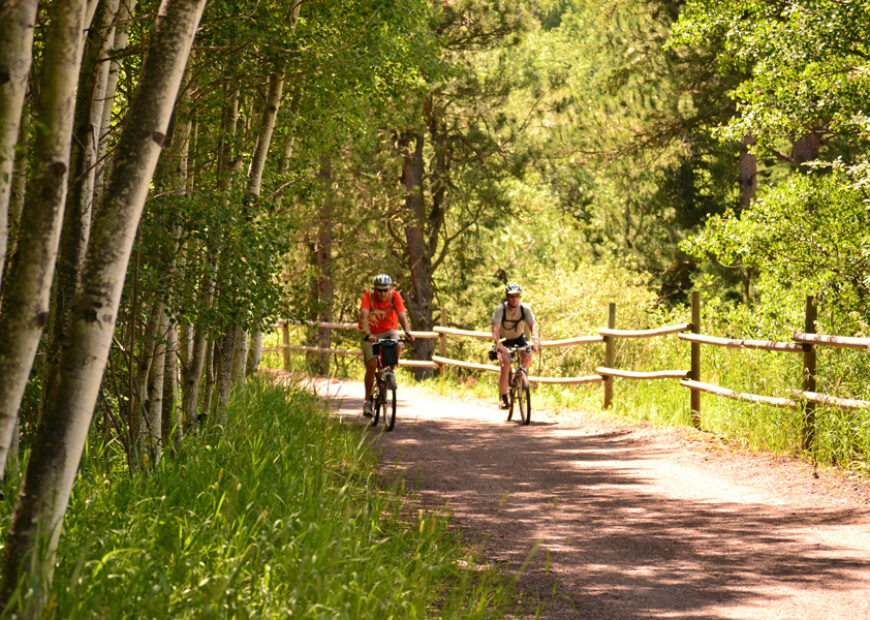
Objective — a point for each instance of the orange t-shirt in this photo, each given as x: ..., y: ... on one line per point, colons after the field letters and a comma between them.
x: 382, y: 317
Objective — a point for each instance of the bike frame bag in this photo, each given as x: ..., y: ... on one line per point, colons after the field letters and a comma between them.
x: 389, y: 353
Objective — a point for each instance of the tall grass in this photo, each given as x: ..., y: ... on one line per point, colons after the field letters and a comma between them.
x: 282, y: 515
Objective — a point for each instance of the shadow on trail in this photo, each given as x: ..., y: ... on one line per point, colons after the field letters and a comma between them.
x: 653, y: 555
x: 624, y: 549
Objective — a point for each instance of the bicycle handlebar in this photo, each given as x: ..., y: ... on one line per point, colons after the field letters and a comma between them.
x: 526, y: 347
x: 394, y: 340
x: 513, y: 348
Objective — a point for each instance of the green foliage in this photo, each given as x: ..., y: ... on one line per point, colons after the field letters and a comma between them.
x: 805, y: 62
x: 280, y: 516
x: 808, y: 235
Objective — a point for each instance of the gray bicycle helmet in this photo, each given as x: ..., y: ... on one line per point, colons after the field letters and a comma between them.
x: 513, y: 289
x: 382, y: 280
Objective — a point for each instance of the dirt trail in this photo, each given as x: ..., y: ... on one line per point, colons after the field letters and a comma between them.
x: 632, y: 521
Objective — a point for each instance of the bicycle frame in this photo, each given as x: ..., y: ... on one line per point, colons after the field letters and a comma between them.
x: 519, y: 385
x: 385, y: 388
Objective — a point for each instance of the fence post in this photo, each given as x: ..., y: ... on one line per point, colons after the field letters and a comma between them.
x: 809, y: 378
x: 608, y: 355
x: 285, y: 332
x: 696, y: 360
x: 442, y: 341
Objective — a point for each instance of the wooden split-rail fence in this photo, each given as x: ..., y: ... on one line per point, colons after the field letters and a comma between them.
x: 805, y: 343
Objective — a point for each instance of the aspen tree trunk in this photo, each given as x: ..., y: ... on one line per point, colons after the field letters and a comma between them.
x: 201, y: 352
x: 255, y: 353
x: 209, y: 370
x: 198, y: 356
x: 252, y: 195
x: 152, y: 430
x: 119, y: 35
x: 139, y: 374
x: 185, y: 348
x: 83, y: 158
x: 19, y: 182
x: 171, y: 419
x: 173, y: 432
x: 240, y: 356
x: 24, y: 309
x: 71, y: 394
x: 16, y: 45
x: 224, y: 350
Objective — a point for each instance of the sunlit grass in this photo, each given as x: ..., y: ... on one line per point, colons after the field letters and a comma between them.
x: 283, y: 515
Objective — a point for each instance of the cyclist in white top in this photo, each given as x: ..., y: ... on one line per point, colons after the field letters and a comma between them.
x: 510, y: 321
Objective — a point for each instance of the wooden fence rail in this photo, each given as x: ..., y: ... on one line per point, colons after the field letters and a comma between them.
x: 804, y: 342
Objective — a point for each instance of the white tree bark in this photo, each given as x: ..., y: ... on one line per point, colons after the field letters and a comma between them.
x: 125, y: 15
x: 224, y: 350
x: 152, y: 429
x: 24, y: 309
x: 173, y: 431
x: 71, y: 394
x: 255, y: 352
x: 19, y: 182
x: 232, y: 362
x: 240, y: 356
x: 198, y: 356
x: 83, y: 159
x: 16, y: 45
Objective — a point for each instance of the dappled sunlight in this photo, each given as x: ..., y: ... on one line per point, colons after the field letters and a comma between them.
x: 619, y: 518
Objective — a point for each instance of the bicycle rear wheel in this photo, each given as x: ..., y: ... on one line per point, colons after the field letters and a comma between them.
x: 388, y: 402
x: 525, y: 404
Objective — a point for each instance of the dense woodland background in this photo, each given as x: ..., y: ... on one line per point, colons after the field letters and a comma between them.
x: 165, y: 197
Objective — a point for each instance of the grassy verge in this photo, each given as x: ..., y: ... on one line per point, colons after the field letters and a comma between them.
x: 281, y: 516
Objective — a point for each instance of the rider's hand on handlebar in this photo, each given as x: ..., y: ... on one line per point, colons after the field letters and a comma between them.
x: 409, y: 337
x: 371, y: 338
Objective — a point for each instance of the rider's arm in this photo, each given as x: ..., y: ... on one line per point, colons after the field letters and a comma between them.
x: 536, y: 337
x: 403, y: 319
x: 364, y: 322
x: 496, y: 336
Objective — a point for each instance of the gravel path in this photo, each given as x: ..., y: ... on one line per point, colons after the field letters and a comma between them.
x: 624, y: 521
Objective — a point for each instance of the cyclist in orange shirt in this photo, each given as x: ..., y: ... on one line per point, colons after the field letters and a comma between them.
x: 381, y: 311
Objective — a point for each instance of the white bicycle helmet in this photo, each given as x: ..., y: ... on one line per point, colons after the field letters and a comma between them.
x: 382, y: 280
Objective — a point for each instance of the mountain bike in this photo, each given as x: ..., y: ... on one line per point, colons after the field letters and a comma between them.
x: 384, y: 399
x: 519, y: 392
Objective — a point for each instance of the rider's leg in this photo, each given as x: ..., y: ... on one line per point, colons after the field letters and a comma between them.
x: 504, y: 372
x: 527, y: 359
x: 370, y: 376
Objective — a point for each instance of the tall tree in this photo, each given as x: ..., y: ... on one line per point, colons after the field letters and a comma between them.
x: 24, y: 309
x: 71, y: 393
x: 16, y: 40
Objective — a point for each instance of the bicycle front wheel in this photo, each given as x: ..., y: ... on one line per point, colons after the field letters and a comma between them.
x: 525, y: 405
x: 376, y: 404
x: 388, y: 402
x: 512, y: 398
